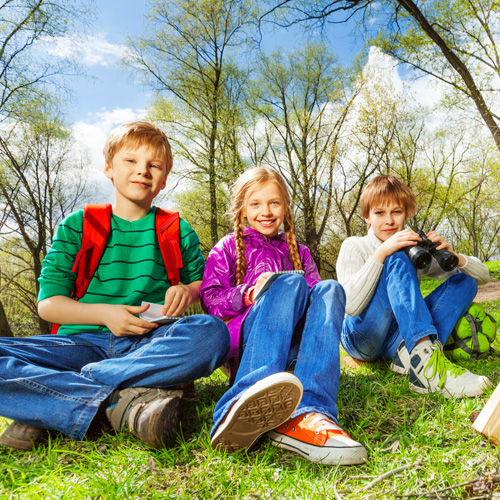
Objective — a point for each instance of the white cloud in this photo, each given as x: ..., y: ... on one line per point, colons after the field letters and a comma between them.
x: 89, y: 51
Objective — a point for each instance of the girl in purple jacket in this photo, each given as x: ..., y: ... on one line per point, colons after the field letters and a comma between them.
x: 295, y: 325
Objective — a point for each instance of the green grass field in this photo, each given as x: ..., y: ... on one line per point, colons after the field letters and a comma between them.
x: 426, y: 442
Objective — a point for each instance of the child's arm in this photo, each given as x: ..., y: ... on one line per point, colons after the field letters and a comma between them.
x: 398, y: 241
x: 469, y: 265
x: 220, y: 296
x: 120, y: 319
x: 179, y: 297
x: 358, y: 272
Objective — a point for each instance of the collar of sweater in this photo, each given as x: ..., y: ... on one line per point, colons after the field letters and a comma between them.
x: 372, y: 239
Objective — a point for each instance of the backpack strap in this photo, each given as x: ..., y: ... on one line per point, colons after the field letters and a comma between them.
x: 95, y: 231
x: 167, y: 231
x: 458, y: 343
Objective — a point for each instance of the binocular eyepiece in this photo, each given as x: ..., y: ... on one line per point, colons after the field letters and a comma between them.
x: 421, y: 254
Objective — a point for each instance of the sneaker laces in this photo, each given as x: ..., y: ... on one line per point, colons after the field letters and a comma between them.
x: 441, y: 366
x: 322, y: 422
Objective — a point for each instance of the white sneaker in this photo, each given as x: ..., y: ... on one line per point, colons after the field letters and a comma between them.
x: 262, y: 407
x: 317, y: 438
x: 431, y: 371
x: 401, y: 361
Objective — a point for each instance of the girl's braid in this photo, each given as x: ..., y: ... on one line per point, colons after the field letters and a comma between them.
x: 241, y: 261
x: 292, y: 242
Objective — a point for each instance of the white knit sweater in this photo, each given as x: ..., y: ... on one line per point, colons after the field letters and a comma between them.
x: 358, y: 272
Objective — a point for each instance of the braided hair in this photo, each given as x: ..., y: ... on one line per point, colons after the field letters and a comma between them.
x: 244, y: 185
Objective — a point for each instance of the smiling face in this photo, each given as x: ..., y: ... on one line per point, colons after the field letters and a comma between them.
x: 264, y: 209
x: 138, y: 174
x: 386, y: 220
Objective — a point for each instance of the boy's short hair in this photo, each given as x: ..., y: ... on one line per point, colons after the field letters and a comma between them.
x: 384, y: 188
x: 138, y: 134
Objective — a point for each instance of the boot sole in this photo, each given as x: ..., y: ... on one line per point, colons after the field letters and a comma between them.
x: 265, y: 406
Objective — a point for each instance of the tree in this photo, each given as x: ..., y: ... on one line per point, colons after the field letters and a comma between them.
x: 26, y: 26
x: 41, y: 182
x: 304, y: 99
x: 473, y: 222
x: 187, y: 61
x: 456, y: 42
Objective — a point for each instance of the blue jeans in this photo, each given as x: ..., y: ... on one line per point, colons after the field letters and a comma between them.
x: 290, y: 327
x: 58, y: 381
x: 397, y: 311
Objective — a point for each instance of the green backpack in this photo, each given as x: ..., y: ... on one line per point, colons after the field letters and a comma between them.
x: 472, y: 336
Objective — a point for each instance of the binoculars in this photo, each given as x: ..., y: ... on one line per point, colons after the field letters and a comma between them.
x: 421, y: 254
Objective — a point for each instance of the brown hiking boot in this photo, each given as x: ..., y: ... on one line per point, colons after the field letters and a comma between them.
x: 150, y: 414
x: 23, y: 436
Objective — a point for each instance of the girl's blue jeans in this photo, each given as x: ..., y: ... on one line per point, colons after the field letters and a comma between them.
x: 58, y: 381
x: 397, y: 311
x: 292, y: 328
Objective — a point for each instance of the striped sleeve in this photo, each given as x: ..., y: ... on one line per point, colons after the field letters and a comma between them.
x: 56, y: 277
x: 192, y: 258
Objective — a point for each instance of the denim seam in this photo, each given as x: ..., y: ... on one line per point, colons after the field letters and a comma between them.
x: 89, y: 405
x: 46, y: 390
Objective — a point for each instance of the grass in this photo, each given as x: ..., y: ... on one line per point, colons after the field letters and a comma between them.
x: 430, y: 437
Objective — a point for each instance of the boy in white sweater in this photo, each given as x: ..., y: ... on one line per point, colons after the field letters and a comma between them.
x: 386, y: 314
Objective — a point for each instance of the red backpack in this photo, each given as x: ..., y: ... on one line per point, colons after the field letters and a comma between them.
x: 96, y: 229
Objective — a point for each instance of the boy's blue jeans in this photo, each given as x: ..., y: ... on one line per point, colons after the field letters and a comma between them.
x: 292, y: 328
x: 58, y: 381
x: 397, y: 311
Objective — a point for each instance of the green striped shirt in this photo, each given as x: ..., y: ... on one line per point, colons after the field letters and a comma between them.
x: 131, y: 268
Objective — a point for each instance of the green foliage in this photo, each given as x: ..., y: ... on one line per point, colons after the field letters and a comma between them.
x: 27, y: 68
x: 194, y: 206
x: 188, y: 60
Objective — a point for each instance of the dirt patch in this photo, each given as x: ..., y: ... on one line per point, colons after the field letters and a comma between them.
x: 490, y: 291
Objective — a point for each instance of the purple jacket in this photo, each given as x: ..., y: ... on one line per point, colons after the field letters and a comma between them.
x: 221, y: 297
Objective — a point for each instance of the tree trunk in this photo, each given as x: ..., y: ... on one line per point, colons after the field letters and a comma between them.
x: 458, y: 66
x: 45, y: 327
x: 5, y: 330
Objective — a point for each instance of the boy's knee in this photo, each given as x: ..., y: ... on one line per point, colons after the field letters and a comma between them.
x: 213, y: 333
x: 399, y: 262
x: 465, y: 281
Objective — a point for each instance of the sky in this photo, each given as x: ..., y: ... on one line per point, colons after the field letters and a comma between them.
x: 108, y: 95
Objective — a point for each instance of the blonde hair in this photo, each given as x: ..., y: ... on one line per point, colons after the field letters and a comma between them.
x: 138, y: 134
x: 383, y: 189
x: 244, y: 185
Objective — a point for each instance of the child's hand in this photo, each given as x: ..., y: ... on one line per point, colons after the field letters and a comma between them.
x: 398, y: 241
x: 434, y: 237
x: 260, y: 282
x: 177, y: 299
x: 121, y: 320
x: 444, y: 245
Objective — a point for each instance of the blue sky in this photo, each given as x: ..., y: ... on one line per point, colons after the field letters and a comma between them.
x: 112, y: 87
x: 109, y: 97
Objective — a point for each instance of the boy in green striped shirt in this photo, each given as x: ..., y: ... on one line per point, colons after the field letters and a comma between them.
x: 106, y: 360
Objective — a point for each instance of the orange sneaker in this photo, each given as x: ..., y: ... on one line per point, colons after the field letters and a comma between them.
x: 317, y: 438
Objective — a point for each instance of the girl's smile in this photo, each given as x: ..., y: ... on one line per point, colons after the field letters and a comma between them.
x: 264, y: 209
